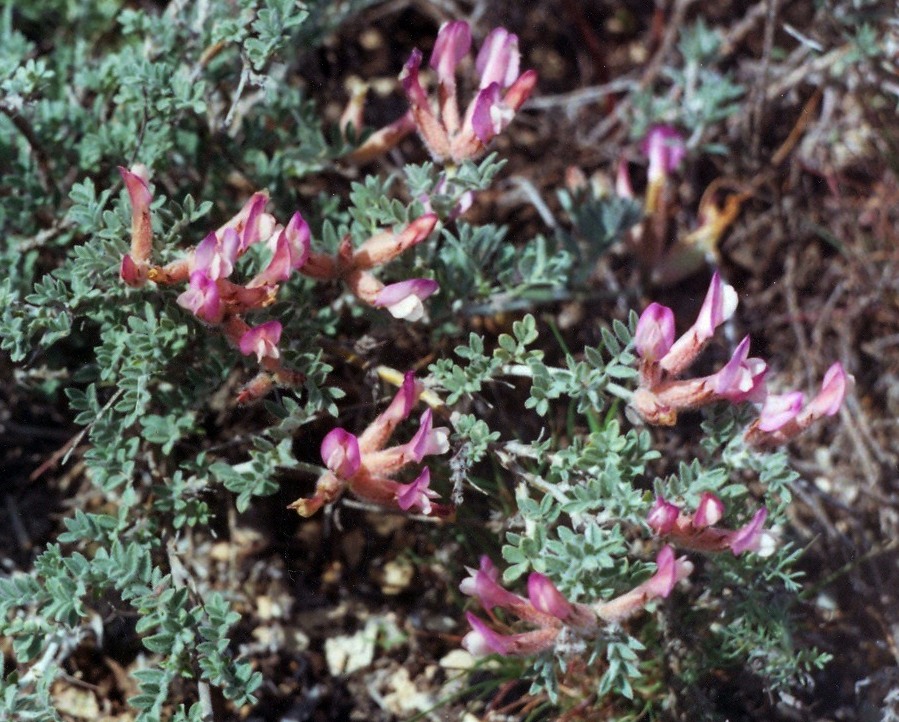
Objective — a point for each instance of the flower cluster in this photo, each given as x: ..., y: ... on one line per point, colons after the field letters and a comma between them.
x: 218, y: 301
x: 448, y: 134
x: 698, y: 530
x: 354, y: 267
x: 501, y: 92
x: 362, y: 464
x: 662, y: 394
x: 550, y: 612
x: 210, y: 295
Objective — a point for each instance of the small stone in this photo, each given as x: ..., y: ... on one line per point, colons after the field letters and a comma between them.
x: 457, y: 659
x: 396, y: 576
x: 349, y: 653
x: 80, y: 703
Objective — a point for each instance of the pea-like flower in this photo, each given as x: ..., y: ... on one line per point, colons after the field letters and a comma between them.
x: 362, y: 464
x: 450, y: 135
x: 783, y: 417
x: 661, y: 395
x: 699, y: 530
x: 547, y: 609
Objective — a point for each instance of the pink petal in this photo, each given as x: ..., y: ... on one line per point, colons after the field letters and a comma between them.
x: 202, y: 298
x: 708, y: 512
x: 482, y: 640
x: 417, y: 493
x: 298, y: 239
x: 262, y: 341
x: 655, y: 332
x: 427, y: 440
x: 278, y: 268
x: 731, y: 378
x: 662, y: 516
x: 483, y: 584
x: 411, y: 83
x: 719, y: 305
x: 665, y: 148
x: 544, y: 597
x: 498, y: 59
x: 832, y: 393
x: 663, y: 581
x: 490, y: 116
x: 340, y: 453
x: 779, y: 410
x: 404, y: 299
x: 452, y: 44
x: 749, y: 537
x: 252, y: 228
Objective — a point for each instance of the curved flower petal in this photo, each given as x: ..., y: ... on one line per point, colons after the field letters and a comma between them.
x: 262, y: 341
x: 544, y: 597
x: 749, y: 537
x: 709, y: 511
x: 404, y: 299
x: 428, y: 441
x: 452, y: 44
x: 655, y: 332
x: 662, y: 516
x: 780, y: 409
x: 202, y: 298
x: 498, y: 59
x: 664, y: 146
x: 416, y: 494
x: 833, y: 391
x: 340, y: 453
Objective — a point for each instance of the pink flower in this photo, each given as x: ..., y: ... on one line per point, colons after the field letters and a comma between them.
x: 778, y: 410
x: 665, y: 148
x: 216, y: 254
x: 663, y: 516
x: 255, y: 223
x: 547, y: 609
x: 378, y: 431
x: 544, y: 597
x: 262, y: 341
x: 748, y: 537
x: 709, y: 511
x: 498, y: 59
x: 831, y: 395
x: 719, y: 305
x: 298, y: 240
x: 781, y: 418
x: 202, y: 298
x: 362, y: 464
x: 452, y: 44
x: 742, y: 378
x: 416, y: 494
x: 669, y: 571
x: 340, y: 452
x: 655, y: 332
x: 484, y: 586
x: 502, y: 91
x: 490, y: 116
x: 404, y: 299
x: 278, y: 268
x: 698, y: 531
x: 133, y: 270
x: 428, y: 441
